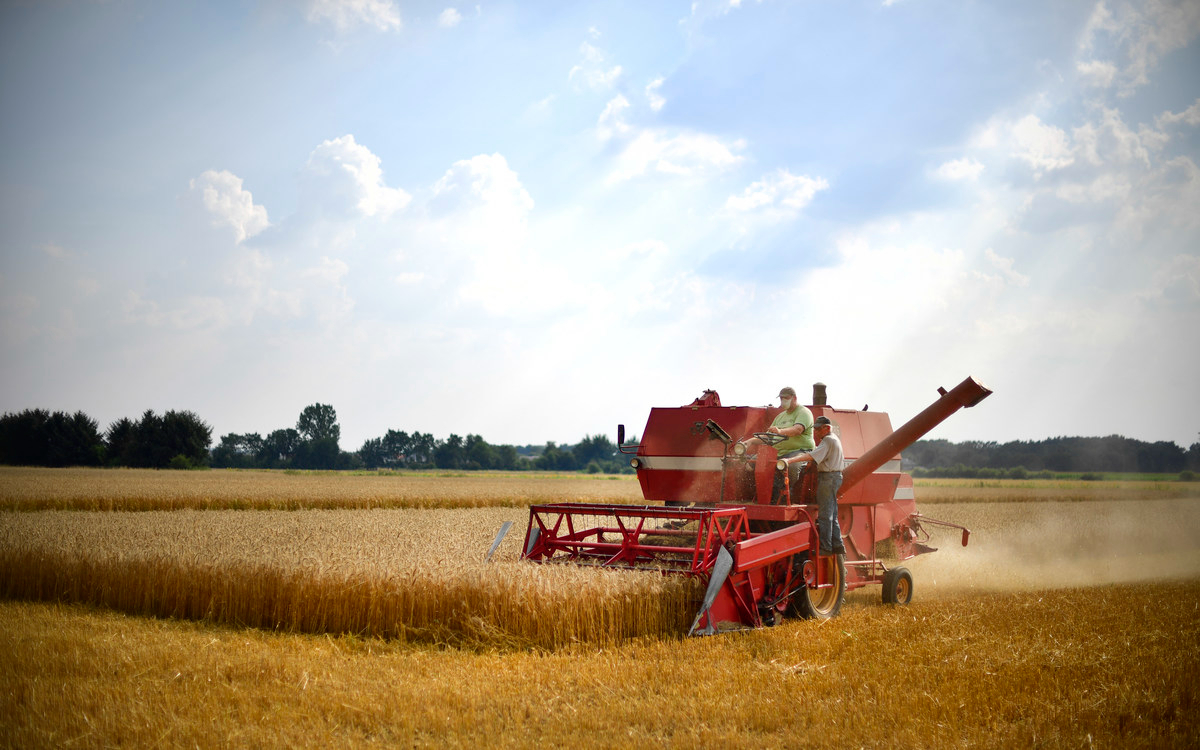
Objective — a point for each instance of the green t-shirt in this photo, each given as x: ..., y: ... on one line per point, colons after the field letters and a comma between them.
x: 799, y: 415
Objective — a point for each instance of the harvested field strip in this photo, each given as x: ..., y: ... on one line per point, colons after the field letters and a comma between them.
x: 1102, y: 667
x: 33, y: 489
x: 934, y: 491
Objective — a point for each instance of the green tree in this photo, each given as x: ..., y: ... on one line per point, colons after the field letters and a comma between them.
x: 596, y: 448
x: 372, y: 453
x: 479, y: 454
x: 450, y: 454
x: 319, y: 422
x: 36, y: 437
x: 279, y: 448
x: 121, y: 439
x: 239, y: 451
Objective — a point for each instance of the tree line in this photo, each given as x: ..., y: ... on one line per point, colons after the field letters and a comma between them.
x: 1060, y: 454
x: 398, y: 449
x: 36, y: 437
x: 181, y: 440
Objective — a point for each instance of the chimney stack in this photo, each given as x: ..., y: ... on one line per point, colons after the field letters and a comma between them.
x: 819, y: 394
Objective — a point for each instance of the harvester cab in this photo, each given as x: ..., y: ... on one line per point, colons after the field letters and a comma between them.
x: 744, y: 521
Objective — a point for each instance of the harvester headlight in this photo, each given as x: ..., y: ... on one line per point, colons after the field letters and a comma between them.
x: 739, y: 449
x: 781, y: 465
x: 635, y: 463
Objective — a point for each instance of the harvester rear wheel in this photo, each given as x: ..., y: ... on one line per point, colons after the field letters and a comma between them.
x: 822, y: 603
x: 897, y: 586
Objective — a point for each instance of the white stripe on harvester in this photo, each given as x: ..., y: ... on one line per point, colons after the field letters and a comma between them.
x: 681, y: 463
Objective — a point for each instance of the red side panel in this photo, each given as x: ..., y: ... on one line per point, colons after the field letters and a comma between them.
x: 683, y: 458
x: 858, y: 430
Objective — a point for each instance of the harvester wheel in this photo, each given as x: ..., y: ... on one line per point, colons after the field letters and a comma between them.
x: 897, y: 586
x: 822, y: 603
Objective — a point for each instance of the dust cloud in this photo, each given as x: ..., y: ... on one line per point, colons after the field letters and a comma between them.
x: 1030, y: 546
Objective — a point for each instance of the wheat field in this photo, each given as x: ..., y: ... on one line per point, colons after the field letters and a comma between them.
x: 1064, y: 623
x: 30, y: 489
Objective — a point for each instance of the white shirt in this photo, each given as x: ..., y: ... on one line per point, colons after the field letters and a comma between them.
x: 828, y: 454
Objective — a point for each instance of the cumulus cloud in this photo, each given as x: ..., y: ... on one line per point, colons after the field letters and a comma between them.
x: 449, y: 18
x: 1140, y: 33
x: 612, y: 122
x: 483, y: 182
x: 654, y: 98
x: 593, y: 71
x: 1005, y: 268
x: 959, y: 169
x: 1178, y: 281
x: 779, y: 195
x: 350, y: 176
x: 1097, y: 72
x: 682, y: 155
x: 1190, y: 116
x: 348, y: 14
x: 1042, y: 146
x: 229, y: 205
x: 1109, y: 140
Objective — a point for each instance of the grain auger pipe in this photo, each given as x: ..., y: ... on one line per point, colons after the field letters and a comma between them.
x: 963, y: 396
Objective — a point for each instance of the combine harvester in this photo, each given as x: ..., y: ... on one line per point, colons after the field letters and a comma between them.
x: 746, y: 522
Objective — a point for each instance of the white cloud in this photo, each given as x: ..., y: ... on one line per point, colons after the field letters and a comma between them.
x: 1005, y: 267
x: 351, y: 175
x: 228, y: 204
x: 330, y: 270
x: 449, y: 18
x: 653, y: 97
x: 1140, y: 32
x: 486, y: 183
x: 1178, y: 281
x: 965, y: 168
x: 778, y: 195
x: 612, y: 122
x: 682, y: 155
x: 54, y: 250
x: 592, y: 71
x: 1109, y: 141
x: 1097, y: 72
x: 1190, y: 116
x: 1042, y: 146
x: 328, y: 295
x: 348, y: 14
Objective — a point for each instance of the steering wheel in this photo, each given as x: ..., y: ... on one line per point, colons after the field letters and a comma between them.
x: 770, y: 438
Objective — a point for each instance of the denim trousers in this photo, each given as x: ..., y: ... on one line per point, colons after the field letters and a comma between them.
x: 829, y: 532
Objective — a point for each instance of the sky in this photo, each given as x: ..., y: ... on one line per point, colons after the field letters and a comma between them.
x: 531, y: 221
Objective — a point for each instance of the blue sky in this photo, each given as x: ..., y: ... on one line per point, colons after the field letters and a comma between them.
x: 531, y: 221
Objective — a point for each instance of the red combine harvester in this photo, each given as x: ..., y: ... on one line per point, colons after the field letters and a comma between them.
x: 746, y: 522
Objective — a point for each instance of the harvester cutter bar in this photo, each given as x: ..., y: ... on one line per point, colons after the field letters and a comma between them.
x: 632, y: 536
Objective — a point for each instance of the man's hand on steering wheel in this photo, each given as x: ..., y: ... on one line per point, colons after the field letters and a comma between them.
x: 770, y: 438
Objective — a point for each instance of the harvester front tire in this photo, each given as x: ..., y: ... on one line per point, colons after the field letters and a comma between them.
x: 821, y: 604
x: 897, y: 586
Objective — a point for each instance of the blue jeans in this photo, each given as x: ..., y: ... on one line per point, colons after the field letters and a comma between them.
x: 829, y: 533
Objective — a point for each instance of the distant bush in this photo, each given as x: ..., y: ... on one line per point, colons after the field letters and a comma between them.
x: 182, y: 462
x: 1187, y: 476
x: 1091, y: 476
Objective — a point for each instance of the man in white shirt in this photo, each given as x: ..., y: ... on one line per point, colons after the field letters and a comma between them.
x: 828, y: 458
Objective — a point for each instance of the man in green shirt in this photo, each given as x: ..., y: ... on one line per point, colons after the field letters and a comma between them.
x: 795, y: 422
